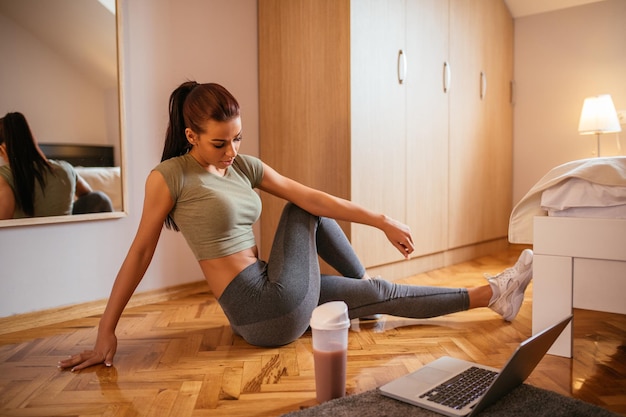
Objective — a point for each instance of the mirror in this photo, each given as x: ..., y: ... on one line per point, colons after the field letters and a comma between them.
x: 60, y: 69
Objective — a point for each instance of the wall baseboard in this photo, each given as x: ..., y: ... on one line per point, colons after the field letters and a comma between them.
x: 47, y: 317
x: 418, y: 265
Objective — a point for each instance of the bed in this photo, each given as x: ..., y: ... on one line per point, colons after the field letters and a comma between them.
x: 94, y: 163
x: 575, y: 219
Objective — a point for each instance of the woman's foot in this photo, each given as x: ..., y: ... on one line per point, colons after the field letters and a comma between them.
x: 509, y: 286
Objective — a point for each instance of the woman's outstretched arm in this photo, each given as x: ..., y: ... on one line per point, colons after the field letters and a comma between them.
x: 157, y: 204
x: 323, y: 204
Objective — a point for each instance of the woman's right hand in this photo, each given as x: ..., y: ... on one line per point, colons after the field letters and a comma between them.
x: 103, y: 352
x: 157, y: 204
x: 399, y: 235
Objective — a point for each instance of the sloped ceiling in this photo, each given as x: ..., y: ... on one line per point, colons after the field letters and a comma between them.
x: 521, y: 8
x: 81, y: 31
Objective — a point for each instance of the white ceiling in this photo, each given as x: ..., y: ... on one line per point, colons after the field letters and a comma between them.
x: 521, y: 8
x: 82, y: 32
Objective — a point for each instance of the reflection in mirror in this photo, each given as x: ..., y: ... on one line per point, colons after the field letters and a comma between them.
x: 60, y: 70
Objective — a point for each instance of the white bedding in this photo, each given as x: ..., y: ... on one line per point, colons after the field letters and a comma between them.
x: 576, y: 197
x: 577, y: 188
x: 609, y: 212
x: 105, y: 179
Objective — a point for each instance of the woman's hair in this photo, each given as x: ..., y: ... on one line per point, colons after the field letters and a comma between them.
x: 192, y: 105
x: 26, y: 161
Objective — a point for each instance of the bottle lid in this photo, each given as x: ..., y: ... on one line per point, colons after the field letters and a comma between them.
x: 330, y: 316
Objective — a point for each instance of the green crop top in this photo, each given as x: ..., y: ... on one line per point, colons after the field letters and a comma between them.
x: 215, y: 214
x: 58, y: 197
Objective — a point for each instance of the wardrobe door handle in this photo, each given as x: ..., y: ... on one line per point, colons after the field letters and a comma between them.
x: 446, y: 77
x: 401, y: 66
x: 483, y: 85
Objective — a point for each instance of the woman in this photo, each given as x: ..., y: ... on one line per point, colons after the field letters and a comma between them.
x: 205, y: 188
x: 32, y: 185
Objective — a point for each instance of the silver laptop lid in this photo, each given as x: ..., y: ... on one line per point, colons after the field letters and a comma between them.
x: 521, y: 364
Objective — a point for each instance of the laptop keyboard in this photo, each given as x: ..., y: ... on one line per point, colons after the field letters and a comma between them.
x: 462, y: 389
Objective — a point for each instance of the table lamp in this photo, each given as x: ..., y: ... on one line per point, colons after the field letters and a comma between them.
x: 598, y: 116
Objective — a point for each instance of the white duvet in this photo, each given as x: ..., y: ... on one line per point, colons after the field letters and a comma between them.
x: 598, y: 182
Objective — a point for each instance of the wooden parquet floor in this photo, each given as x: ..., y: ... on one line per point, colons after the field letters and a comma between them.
x: 180, y: 358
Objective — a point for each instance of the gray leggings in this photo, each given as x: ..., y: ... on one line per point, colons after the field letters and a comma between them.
x: 270, y: 303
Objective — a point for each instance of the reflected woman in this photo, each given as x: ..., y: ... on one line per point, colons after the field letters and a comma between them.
x: 30, y: 184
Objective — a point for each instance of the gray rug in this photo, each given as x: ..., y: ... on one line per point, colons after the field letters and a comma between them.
x: 524, y: 401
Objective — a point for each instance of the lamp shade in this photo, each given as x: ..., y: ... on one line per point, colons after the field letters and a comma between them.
x: 598, y: 116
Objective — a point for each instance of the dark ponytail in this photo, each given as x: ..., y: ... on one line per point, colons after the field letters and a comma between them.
x: 25, y: 160
x: 176, y: 143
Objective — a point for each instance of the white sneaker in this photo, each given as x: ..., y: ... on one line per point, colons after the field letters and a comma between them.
x: 509, y: 286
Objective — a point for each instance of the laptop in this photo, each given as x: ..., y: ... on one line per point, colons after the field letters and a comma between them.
x: 428, y: 386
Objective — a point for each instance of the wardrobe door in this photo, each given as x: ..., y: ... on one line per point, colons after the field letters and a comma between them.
x: 428, y: 78
x: 468, y: 162
x: 499, y: 107
x: 479, y: 134
x: 378, y: 132
x: 304, y: 80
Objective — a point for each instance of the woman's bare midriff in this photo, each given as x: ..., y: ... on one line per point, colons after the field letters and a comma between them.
x: 219, y: 272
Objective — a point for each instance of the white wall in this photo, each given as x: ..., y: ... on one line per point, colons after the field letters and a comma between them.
x: 562, y: 57
x: 165, y: 42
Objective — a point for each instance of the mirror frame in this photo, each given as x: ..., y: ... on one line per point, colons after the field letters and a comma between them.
x: 122, y: 134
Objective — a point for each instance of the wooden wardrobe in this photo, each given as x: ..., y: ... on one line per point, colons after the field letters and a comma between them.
x: 403, y: 106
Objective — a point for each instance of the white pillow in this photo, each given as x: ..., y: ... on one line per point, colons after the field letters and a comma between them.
x: 105, y: 179
x: 576, y: 192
